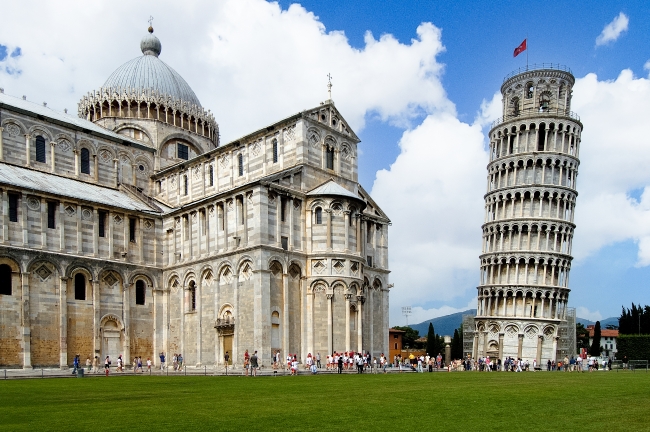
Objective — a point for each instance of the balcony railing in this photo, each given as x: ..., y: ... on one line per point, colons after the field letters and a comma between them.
x: 536, y: 112
x: 538, y: 66
x: 225, y: 323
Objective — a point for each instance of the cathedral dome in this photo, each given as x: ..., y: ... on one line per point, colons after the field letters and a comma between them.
x: 150, y: 75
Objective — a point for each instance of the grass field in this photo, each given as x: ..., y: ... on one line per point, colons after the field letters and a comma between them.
x: 439, y: 401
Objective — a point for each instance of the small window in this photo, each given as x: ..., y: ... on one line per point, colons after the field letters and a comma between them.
x: 285, y: 243
x: 330, y: 158
x: 283, y: 205
x: 182, y: 151
x: 102, y: 223
x: 240, y: 164
x: 185, y: 185
x: 369, y: 261
x: 40, y: 149
x: 139, y: 292
x: 132, y: 230
x: 395, y: 343
x: 51, y: 215
x: 5, y: 279
x: 13, y: 207
x: 275, y: 150
x: 319, y: 215
x: 211, y: 175
x: 192, y: 293
x: 79, y: 287
x: 85, y: 161
x: 395, y: 336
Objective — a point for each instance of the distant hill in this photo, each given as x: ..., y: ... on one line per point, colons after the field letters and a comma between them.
x: 603, y: 323
x: 445, y: 325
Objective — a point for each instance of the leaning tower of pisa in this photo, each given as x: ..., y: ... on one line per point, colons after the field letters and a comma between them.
x: 529, y: 209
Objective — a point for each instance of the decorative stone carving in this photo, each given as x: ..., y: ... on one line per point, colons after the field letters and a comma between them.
x: 70, y: 211
x: 338, y: 266
x: 13, y: 129
x: 148, y: 224
x: 110, y: 279
x: 105, y: 156
x: 118, y: 219
x: 33, y: 203
x: 290, y: 133
x: 86, y: 214
x: 319, y: 266
x: 43, y: 272
x: 255, y: 148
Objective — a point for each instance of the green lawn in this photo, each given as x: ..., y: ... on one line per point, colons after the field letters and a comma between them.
x: 440, y: 401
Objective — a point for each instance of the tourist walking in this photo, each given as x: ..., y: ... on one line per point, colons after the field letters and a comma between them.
x: 107, y: 365
x: 247, y: 359
x: 162, y: 360
x: 96, y: 364
x: 226, y: 360
x: 75, y: 364
x: 254, y: 365
x: 89, y: 365
x: 318, y: 360
x: 340, y: 365
x: 148, y: 364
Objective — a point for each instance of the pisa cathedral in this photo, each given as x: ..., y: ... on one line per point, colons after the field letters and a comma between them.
x: 132, y: 230
x: 529, y: 211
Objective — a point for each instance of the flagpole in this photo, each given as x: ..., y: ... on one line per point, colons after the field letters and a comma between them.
x: 526, y: 51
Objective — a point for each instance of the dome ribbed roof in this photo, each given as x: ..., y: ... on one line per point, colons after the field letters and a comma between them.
x: 147, y: 74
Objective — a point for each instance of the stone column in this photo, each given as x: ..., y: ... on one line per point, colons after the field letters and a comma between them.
x: 63, y: 323
x: 554, y: 353
x: 52, y: 157
x: 328, y: 213
x: 485, y: 336
x: 540, y: 339
x: 501, y: 335
x: 347, y: 322
x: 96, y: 317
x: 291, y: 234
x: 23, y: 220
x: 109, y: 225
x: 140, y: 238
x: 359, y: 249
x: 330, y: 348
x: 310, y: 316
x: 285, y: 314
x: 79, y: 230
x: 278, y: 220
x: 2, y: 152
x: 346, y: 215
x: 44, y: 226
x: 96, y: 169
x: 5, y: 216
x: 520, y: 346
x: 76, y: 162
x: 96, y: 231
x: 359, y: 323
x: 26, y: 322
x: 126, y: 302
x: 475, y: 347
x: 244, y: 216
x: 28, y: 150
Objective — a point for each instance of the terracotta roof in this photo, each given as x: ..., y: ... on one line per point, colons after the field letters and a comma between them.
x: 603, y: 333
x: 392, y: 330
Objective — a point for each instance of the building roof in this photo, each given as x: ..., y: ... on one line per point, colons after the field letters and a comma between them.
x: 67, y: 120
x: 603, y: 332
x: 148, y: 74
x: 331, y: 188
x: 41, y: 182
x: 393, y: 330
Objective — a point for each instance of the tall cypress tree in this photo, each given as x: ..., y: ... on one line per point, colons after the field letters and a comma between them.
x: 594, y: 349
x: 431, y: 341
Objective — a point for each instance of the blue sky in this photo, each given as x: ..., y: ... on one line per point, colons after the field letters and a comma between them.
x: 421, y: 94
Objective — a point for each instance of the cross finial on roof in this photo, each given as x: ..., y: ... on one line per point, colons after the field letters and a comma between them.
x: 329, y: 86
x: 150, y: 24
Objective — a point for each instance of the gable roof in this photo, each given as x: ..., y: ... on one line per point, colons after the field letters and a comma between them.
x: 331, y: 188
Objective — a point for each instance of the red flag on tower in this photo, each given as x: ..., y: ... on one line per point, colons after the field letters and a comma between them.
x: 521, y: 48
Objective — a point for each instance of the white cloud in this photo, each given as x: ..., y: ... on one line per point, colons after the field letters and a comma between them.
x: 612, y: 31
x: 614, y: 160
x: 249, y: 61
x: 646, y: 66
x: 583, y: 312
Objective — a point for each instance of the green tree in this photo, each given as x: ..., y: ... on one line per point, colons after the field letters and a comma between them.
x: 409, y: 337
x: 594, y: 350
x: 457, y: 344
x: 582, y: 337
x: 431, y: 340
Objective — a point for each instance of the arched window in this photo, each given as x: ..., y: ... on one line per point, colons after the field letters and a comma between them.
x: 515, y: 106
x: 192, y: 298
x: 240, y: 164
x: 5, y: 279
x: 319, y: 215
x: 329, y: 158
x: 275, y: 150
x: 545, y: 101
x: 139, y: 292
x: 85, y: 161
x: 40, y: 149
x: 79, y: 287
x: 211, y: 175
x: 529, y: 90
